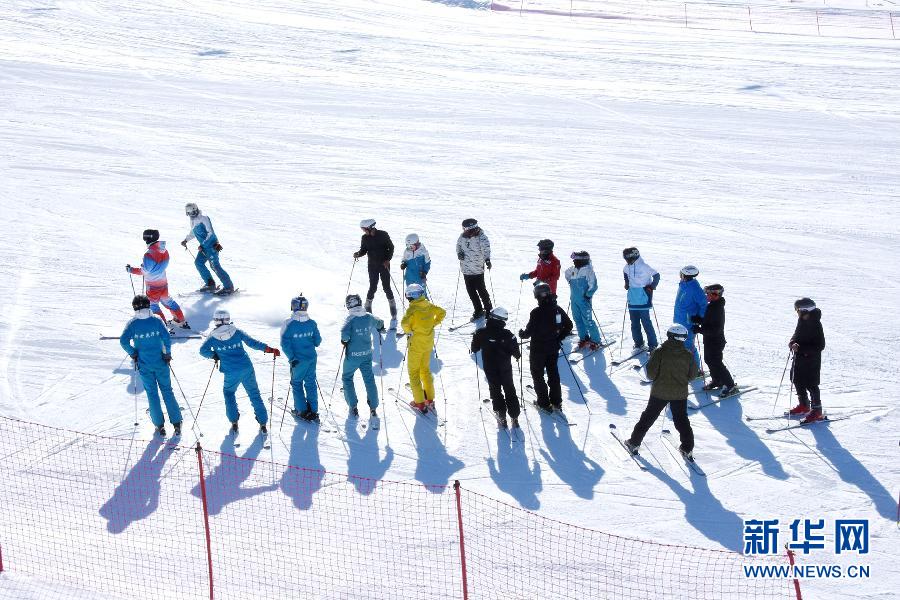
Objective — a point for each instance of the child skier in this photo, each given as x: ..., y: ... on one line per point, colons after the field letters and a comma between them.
x: 473, y: 249
x: 547, y: 269
x: 498, y: 345
x: 690, y: 302
x: 640, y: 280
x: 147, y: 342
x: 671, y: 367
x: 356, y: 336
x: 548, y: 325
x: 416, y: 262
x: 208, y: 251
x: 419, y: 322
x: 299, y: 339
x: 807, y: 344
x: 583, y: 284
x: 153, y: 270
x: 225, y: 345
x: 712, y: 327
x: 377, y: 245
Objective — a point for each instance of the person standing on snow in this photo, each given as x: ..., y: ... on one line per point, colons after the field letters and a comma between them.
x: 418, y: 323
x: 153, y: 270
x: 712, y: 327
x: 473, y: 249
x: 225, y: 345
x: 148, y: 344
x: 547, y: 269
x: 356, y: 336
x: 377, y: 245
x: 583, y: 286
x: 640, y: 280
x: 807, y: 344
x: 671, y: 367
x: 416, y: 262
x: 208, y: 251
x: 690, y: 302
x: 498, y: 346
x: 299, y: 339
x: 548, y: 325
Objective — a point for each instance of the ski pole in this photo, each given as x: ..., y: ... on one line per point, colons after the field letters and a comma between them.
x: 658, y: 330
x: 189, y: 252
x: 131, y: 280
x: 455, y: 294
x: 519, y: 303
x: 493, y: 295
x: 387, y: 435
x: 787, y: 361
x: 622, y: 335
x: 187, y: 403
x: 338, y: 372
x: 700, y: 366
x: 203, y: 397
x: 600, y: 329
x: 477, y: 377
x: 577, y: 383
x: 287, y: 397
x: 272, y: 393
x: 134, y: 389
x: 350, y: 279
x: 397, y: 289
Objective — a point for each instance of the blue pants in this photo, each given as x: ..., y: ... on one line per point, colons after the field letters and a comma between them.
x: 303, y: 382
x: 638, y: 318
x: 690, y: 345
x: 210, y: 255
x: 159, y: 376
x: 247, y: 378
x: 364, y: 364
x: 583, y: 315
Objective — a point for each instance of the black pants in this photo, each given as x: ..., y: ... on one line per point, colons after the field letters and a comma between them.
x: 500, y: 383
x: 478, y: 293
x: 718, y: 372
x: 376, y: 272
x: 549, y: 392
x: 679, y: 416
x: 805, y: 394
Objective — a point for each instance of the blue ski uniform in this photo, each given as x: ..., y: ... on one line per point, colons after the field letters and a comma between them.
x: 146, y: 338
x: 202, y: 231
x: 690, y: 301
x: 583, y: 284
x: 415, y: 265
x: 226, y: 343
x: 641, y: 280
x: 356, y: 335
x: 299, y: 339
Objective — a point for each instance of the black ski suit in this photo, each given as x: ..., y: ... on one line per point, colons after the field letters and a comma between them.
x: 498, y: 345
x: 712, y: 327
x: 807, y: 366
x: 379, y: 248
x: 548, y: 325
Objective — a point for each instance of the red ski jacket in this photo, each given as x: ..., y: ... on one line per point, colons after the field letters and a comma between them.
x: 547, y: 271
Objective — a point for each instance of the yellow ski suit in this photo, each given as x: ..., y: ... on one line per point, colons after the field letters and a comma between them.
x: 420, y: 320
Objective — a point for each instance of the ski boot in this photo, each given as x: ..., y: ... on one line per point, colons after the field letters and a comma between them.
x: 177, y: 427
x: 728, y: 390
x: 421, y: 407
x: 263, y: 428
x: 687, y: 455
x: 593, y: 346
x: 354, y: 412
x: 514, y: 422
x: 501, y: 420
x: 813, y: 416
x: 799, y: 411
x: 631, y: 446
x: 582, y: 344
x: 312, y: 417
x: 161, y: 430
x: 373, y: 413
x: 234, y: 427
x: 712, y: 385
x: 210, y: 285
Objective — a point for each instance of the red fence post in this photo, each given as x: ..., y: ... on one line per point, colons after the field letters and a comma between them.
x: 891, y: 17
x: 749, y: 17
x: 205, y: 518
x: 796, y: 581
x: 462, y: 542
x: 1, y: 559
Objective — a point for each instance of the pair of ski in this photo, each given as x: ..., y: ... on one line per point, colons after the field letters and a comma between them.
x: 311, y: 422
x: 717, y: 399
x: 515, y: 433
x: 556, y: 414
x: 218, y: 291
x: 633, y: 355
x: 599, y: 348
x: 668, y: 442
x: 430, y: 414
x: 476, y: 322
x: 235, y: 434
x: 799, y: 424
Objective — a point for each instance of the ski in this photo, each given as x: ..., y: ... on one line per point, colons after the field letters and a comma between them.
x: 401, y: 401
x: 461, y: 325
x: 634, y: 457
x: 235, y: 434
x: 224, y: 292
x: 720, y: 398
x: 555, y: 413
x: 266, y: 443
x: 622, y: 361
x: 599, y: 348
x: 676, y: 453
x: 827, y: 419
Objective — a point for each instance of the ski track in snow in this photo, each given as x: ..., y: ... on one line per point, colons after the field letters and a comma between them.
x: 767, y: 160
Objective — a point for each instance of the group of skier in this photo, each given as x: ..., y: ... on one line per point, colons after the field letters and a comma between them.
x: 671, y: 366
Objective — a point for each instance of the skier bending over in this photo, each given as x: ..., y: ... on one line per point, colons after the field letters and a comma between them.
x: 377, y: 245
x: 498, y: 346
x: 419, y: 322
x: 548, y: 325
x: 640, y: 280
x: 807, y: 344
x: 547, y: 269
x: 208, y: 251
x: 583, y: 286
x: 473, y: 249
x: 356, y: 336
x: 299, y: 339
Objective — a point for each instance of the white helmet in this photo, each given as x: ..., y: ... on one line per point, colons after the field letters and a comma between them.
x: 191, y: 209
x: 367, y: 223
x: 690, y: 271
x: 221, y: 317
x: 414, y: 290
x: 412, y: 239
x: 677, y: 331
x: 499, y: 313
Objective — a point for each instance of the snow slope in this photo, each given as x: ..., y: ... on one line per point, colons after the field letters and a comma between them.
x: 768, y: 161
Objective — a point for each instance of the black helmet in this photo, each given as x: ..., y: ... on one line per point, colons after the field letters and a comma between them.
x: 140, y: 302
x: 580, y: 258
x: 542, y: 290
x: 151, y: 236
x: 469, y: 223
x: 804, y: 305
x: 352, y: 301
x: 714, y: 288
x: 631, y: 254
x: 545, y: 245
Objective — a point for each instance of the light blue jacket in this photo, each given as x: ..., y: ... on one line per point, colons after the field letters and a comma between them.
x: 357, y: 332
x: 147, y: 335
x: 227, y: 342
x: 417, y: 262
x: 689, y: 301
x: 583, y: 282
x: 300, y: 337
x: 202, y: 231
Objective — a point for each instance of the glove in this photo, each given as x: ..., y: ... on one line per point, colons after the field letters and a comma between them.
x: 270, y: 350
x: 648, y: 289
x: 695, y: 328
x: 586, y: 297
x: 793, y: 346
x: 184, y: 243
x: 200, y: 250
x: 356, y: 254
x: 294, y: 363
x: 524, y: 276
x: 523, y: 334
x: 344, y: 343
x: 215, y: 358
x: 423, y: 275
x: 460, y: 256
x: 626, y: 286
x: 487, y: 263
x: 128, y: 268
x: 217, y: 247
x: 387, y: 265
x: 134, y: 356
x: 167, y: 358
x: 696, y: 319
x: 402, y: 264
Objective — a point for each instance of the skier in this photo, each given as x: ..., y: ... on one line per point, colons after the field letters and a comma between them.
x: 712, y: 327
x: 208, y: 251
x: 583, y: 284
x: 225, y: 345
x: 690, y: 302
x: 671, y: 367
x: 378, y: 246
x: 299, y: 339
x: 419, y: 322
x: 807, y: 344
x: 356, y: 336
x: 547, y: 269
x: 548, y: 325
x: 153, y: 270
x: 498, y: 345
x: 473, y: 249
x: 640, y: 280
x: 147, y: 342
x: 416, y: 262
